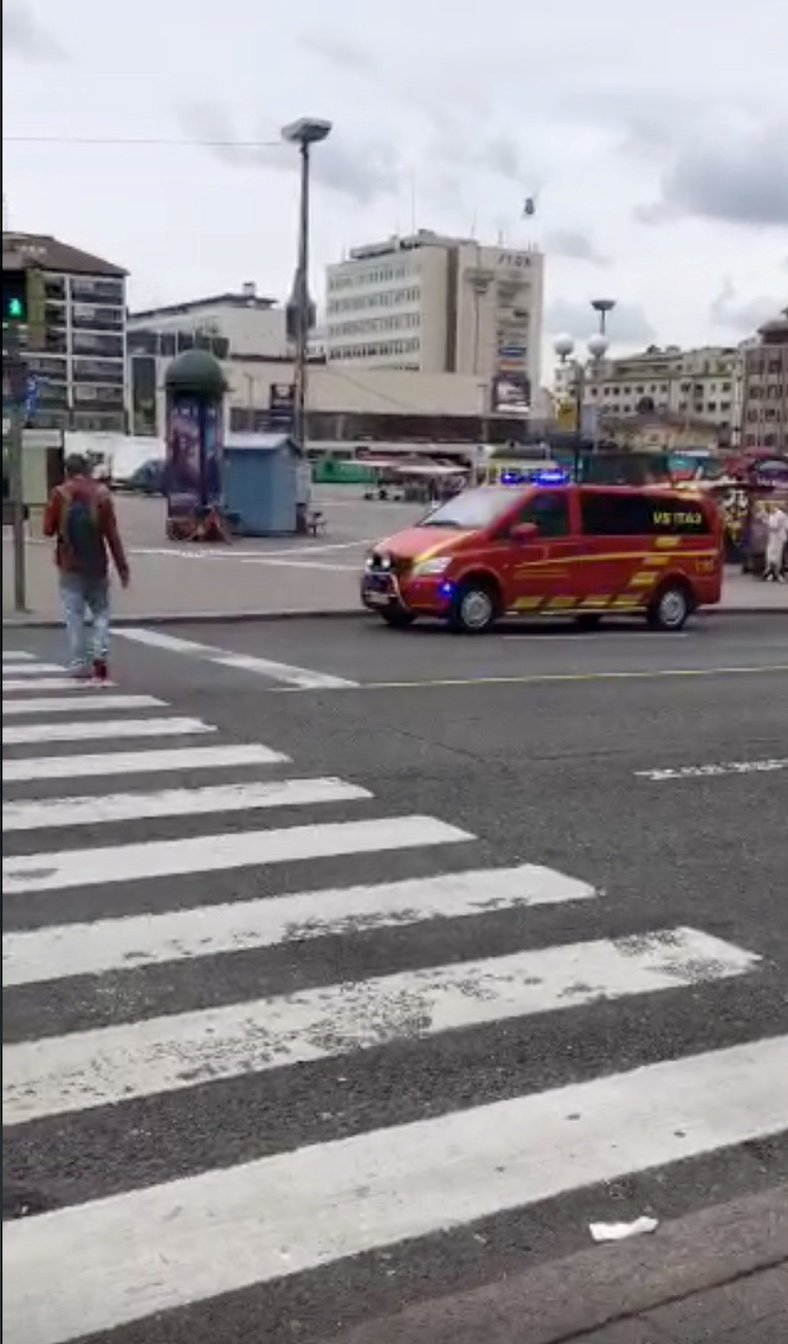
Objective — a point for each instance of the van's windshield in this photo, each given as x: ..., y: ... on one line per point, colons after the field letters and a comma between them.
x: 472, y: 510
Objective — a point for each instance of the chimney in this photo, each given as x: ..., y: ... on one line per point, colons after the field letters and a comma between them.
x: 249, y: 289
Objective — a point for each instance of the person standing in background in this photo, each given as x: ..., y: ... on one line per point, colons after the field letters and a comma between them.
x: 81, y: 516
x: 776, y: 541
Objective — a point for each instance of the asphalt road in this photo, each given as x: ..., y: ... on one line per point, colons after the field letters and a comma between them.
x: 652, y: 769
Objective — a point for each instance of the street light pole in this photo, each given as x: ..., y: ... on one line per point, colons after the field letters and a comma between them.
x: 305, y: 132
x: 302, y: 304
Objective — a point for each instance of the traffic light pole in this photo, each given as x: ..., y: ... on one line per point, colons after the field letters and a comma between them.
x: 16, y: 378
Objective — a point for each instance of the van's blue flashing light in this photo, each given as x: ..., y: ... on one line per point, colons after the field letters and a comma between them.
x: 554, y: 477
x: 446, y: 589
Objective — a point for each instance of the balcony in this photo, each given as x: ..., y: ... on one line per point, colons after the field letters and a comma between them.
x: 97, y: 291
x: 99, y: 371
x: 85, y: 317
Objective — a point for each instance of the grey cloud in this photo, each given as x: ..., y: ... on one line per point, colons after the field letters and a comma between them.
x: 739, y: 180
x: 575, y: 244
x: 627, y: 323
x: 336, y: 52
x: 24, y: 36
x: 741, y: 316
x: 360, y: 171
x: 457, y: 144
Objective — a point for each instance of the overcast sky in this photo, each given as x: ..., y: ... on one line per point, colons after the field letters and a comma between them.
x: 654, y: 140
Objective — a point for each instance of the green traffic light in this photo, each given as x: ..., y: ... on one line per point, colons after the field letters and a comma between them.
x: 16, y: 308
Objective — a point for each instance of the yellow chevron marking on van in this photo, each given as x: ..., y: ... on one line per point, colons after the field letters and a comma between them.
x: 529, y: 603
x: 596, y: 600
x: 561, y: 602
x: 643, y: 580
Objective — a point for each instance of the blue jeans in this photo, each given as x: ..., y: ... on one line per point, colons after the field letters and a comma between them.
x: 78, y: 595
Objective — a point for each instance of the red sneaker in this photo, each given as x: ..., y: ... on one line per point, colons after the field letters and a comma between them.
x: 100, y: 670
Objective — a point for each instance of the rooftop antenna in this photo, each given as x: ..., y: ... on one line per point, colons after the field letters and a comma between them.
x: 412, y: 202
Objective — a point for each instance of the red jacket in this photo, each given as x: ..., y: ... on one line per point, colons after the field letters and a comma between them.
x: 97, y: 495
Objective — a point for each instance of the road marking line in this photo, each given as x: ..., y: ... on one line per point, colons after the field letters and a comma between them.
x: 109, y: 728
x: 67, y: 704
x: 214, y: 853
x: 40, y: 813
x: 138, y: 762
x: 308, y: 564
x: 712, y: 771
x: 52, y: 684
x: 60, y: 1074
x: 15, y: 656
x: 58, y: 952
x: 300, y: 677
x: 133, y: 1255
x: 540, y: 678
x: 31, y: 669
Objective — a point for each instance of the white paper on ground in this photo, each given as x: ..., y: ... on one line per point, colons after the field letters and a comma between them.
x: 620, y: 1231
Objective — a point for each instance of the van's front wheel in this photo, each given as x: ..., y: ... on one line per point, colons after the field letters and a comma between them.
x: 474, y: 610
x: 670, y: 608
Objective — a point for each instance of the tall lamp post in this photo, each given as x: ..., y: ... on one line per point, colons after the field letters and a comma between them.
x: 305, y: 132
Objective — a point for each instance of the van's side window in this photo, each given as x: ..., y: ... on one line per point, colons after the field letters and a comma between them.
x: 550, y: 513
x: 612, y: 515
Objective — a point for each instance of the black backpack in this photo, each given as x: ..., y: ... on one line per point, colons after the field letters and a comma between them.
x: 82, y: 534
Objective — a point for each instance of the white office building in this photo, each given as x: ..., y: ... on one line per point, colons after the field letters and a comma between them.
x: 435, y: 304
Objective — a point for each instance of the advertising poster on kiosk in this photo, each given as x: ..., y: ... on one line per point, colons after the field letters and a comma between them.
x: 214, y: 448
x: 183, y: 475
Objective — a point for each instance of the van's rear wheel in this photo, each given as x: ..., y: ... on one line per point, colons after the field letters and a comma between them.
x: 474, y: 610
x: 670, y: 608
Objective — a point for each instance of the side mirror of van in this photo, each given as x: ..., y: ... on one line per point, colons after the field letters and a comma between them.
x: 524, y: 532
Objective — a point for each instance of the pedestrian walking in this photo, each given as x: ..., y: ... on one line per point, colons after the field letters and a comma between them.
x: 81, y: 516
x: 776, y: 541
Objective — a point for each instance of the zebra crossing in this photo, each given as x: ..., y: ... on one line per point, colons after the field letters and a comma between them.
x: 162, y: 960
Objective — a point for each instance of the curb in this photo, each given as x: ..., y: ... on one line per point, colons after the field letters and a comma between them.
x: 33, y: 622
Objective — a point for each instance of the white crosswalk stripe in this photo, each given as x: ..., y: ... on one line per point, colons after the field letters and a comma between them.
x: 21, y: 733
x: 172, y: 991
x: 30, y: 669
x: 92, y: 811
x: 145, y: 940
x: 52, y: 1076
x: 16, y: 656
x: 63, y: 704
x: 14, y: 686
x: 29, y: 768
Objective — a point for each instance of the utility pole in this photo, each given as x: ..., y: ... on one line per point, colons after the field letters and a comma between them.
x: 16, y: 370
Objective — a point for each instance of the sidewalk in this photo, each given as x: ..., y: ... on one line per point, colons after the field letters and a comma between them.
x: 718, y: 1276
x: 266, y: 577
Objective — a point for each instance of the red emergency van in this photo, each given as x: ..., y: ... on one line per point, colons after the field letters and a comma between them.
x: 568, y: 550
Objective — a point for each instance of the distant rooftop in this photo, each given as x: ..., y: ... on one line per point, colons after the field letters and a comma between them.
x: 246, y: 298
x: 409, y: 242
x: 41, y: 249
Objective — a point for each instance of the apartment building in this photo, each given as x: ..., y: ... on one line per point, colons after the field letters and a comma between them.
x: 77, y: 343
x: 701, y: 386
x: 765, y: 394
x: 436, y: 304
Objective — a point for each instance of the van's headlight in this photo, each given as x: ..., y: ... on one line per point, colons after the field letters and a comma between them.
x: 432, y: 567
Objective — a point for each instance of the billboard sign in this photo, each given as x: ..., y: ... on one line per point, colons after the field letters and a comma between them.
x: 511, y: 394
